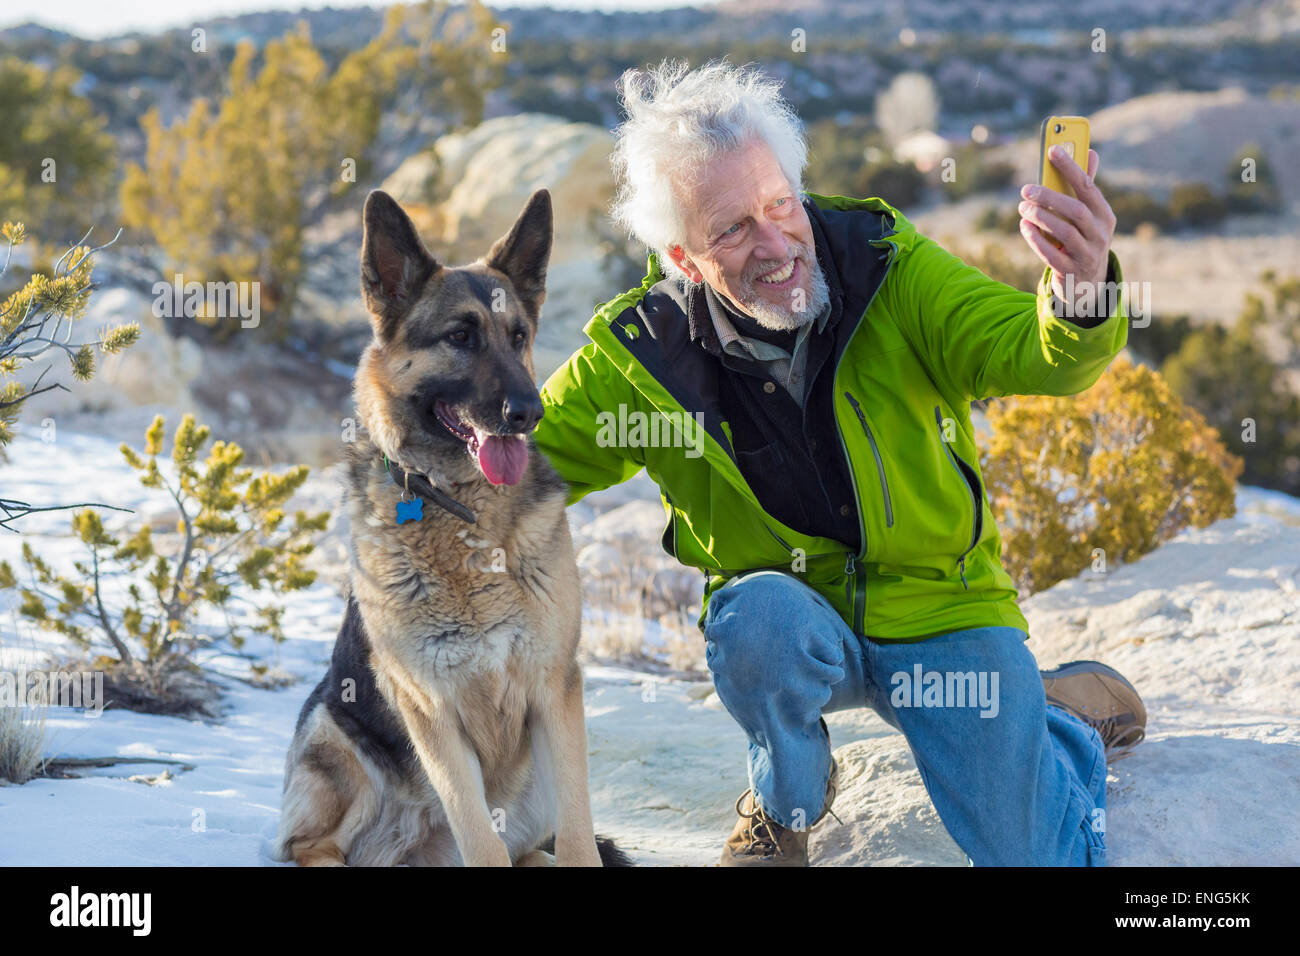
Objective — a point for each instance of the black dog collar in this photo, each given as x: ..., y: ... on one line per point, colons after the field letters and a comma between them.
x: 422, y: 486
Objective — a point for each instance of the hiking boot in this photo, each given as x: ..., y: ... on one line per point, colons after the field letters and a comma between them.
x: 1100, y: 697
x: 758, y: 840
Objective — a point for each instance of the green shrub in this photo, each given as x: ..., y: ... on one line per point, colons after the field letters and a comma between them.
x: 236, y: 546
x: 38, y: 318
x: 1114, y: 471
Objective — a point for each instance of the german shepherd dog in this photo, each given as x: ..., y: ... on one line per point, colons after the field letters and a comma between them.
x: 449, y: 727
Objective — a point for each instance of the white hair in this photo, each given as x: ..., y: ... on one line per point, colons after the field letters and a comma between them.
x: 677, y: 121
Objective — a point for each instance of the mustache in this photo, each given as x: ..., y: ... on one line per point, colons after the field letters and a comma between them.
x: 798, y: 251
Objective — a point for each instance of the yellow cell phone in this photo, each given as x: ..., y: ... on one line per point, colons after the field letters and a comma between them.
x: 1072, y: 132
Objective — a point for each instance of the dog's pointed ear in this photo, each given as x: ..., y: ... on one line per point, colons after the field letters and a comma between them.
x: 524, y: 252
x: 395, y: 265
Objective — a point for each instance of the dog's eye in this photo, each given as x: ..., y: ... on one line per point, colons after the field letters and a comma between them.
x: 459, y: 337
x: 520, y: 338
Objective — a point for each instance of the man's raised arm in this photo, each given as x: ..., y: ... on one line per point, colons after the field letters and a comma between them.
x: 982, y: 338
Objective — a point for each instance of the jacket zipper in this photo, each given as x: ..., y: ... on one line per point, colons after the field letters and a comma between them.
x: 880, y: 464
x: 779, y: 540
x: 855, y: 591
x: 855, y: 587
x: 977, y: 516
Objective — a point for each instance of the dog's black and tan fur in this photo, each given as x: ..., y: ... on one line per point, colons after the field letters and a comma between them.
x: 449, y: 726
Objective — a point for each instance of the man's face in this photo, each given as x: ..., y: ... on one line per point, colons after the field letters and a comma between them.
x: 748, y: 236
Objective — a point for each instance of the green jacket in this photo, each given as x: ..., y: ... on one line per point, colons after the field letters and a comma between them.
x: 930, y: 334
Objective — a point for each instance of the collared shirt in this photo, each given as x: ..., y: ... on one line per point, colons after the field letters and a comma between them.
x: 780, y: 363
x: 786, y: 440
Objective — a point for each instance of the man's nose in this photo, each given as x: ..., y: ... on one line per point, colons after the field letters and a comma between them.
x: 770, y: 241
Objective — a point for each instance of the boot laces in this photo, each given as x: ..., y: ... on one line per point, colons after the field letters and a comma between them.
x: 1117, y: 738
x: 763, y: 832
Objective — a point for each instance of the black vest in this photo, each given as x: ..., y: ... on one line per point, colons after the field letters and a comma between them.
x: 792, y: 458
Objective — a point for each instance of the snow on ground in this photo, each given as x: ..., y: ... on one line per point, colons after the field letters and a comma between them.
x: 1207, y: 627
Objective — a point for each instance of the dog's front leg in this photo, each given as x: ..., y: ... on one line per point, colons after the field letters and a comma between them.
x: 560, y: 746
x: 455, y: 772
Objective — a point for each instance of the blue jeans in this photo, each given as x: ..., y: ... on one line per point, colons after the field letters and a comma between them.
x: 1015, y: 781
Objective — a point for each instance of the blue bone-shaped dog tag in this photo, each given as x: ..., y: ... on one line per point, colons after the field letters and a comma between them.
x: 410, y: 510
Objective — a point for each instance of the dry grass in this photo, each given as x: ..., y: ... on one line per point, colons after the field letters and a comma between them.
x: 636, y: 616
x: 23, y: 740
x: 23, y: 734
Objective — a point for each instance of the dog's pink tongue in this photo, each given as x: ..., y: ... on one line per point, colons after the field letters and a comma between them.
x: 502, y: 460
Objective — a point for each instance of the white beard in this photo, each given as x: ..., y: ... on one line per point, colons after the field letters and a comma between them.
x: 786, y: 319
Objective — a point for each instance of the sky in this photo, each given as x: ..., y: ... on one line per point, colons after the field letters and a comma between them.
x: 97, y: 18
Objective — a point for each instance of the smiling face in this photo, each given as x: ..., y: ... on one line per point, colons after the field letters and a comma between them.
x: 748, y: 236
x: 447, y: 386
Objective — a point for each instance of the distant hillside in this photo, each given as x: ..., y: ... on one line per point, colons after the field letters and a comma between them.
x: 767, y: 18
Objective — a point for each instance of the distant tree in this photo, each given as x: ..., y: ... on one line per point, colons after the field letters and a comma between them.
x: 899, y: 184
x: 224, y: 191
x: 1228, y: 374
x: 457, y: 54
x: 56, y: 160
x: 997, y: 218
x: 1133, y: 207
x: 975, y: 173
x: 1252, y: 182
x: 1163, y: 337
x: 1195, y: 206
x: 837, y: 155
x: 228, y: 190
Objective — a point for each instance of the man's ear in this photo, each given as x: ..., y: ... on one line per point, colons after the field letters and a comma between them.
x: 523, y: 253
x: 682, y: 261
x: 395, y: 265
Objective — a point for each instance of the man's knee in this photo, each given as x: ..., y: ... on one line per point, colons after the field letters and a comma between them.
x: 766, y: 630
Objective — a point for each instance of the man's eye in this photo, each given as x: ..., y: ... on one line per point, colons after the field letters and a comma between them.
x: 781, y: 201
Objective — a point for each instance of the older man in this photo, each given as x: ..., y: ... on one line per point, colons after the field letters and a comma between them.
x: 831, y: 491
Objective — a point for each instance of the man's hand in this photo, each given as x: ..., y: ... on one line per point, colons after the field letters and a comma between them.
x: 1082, y: 226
